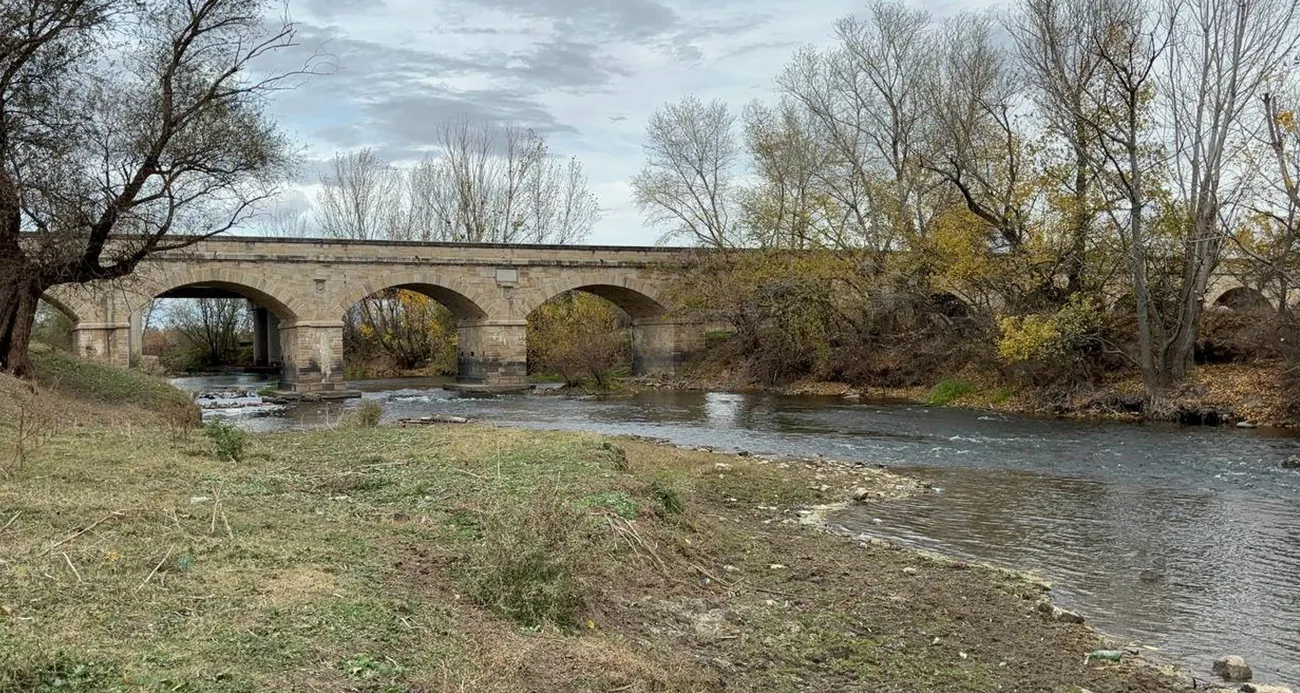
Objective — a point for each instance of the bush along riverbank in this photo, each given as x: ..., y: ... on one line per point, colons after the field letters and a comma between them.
x: 1217, y: 394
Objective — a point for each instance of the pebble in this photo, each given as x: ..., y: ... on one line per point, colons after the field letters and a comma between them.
x: 1261, y: 688
x: 909, y: 570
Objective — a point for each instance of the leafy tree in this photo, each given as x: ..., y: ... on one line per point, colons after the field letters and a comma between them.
x: 127, y: 128
x: 579, y: 336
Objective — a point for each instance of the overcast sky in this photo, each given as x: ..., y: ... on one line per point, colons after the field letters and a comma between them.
x: 586, y: 73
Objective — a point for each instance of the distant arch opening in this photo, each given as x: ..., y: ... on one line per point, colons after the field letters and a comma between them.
x: 210, y: 325
x: 1243, y: 299
x: 584, y: 337
x: 408, y: 329
x: 53, y: 325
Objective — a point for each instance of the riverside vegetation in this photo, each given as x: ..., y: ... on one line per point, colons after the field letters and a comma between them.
x: 136, y: 557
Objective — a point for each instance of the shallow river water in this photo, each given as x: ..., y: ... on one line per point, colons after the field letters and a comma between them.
x: 1183, y: 538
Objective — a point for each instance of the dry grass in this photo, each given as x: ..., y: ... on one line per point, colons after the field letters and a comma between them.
x: 467, y: 558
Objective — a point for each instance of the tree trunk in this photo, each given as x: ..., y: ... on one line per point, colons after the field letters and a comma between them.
x: 20, y: 292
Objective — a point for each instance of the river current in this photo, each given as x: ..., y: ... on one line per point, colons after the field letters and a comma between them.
x: 1187, y: 539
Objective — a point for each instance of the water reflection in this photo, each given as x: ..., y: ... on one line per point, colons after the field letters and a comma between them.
x: 1183, y: 538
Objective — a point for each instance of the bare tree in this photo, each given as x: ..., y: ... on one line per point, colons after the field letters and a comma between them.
x: 361, y: 198
x: 865, y: 102
x: 1053, y: 40
x: 1129, y: 39
x: 127, y: 127
x: 975, y: 144
x: 1274, y: 248
x: 490, y: 184
x: 788, y: 206
x: 211, y: 327
x: 688, y: 181
x: 1221, y: 57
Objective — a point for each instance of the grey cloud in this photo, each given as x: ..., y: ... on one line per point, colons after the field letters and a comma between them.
x: 600, y: 19
x: 569, y: 63
x: 411, y: 120
x: 329, y: 9
x: 393, y: 97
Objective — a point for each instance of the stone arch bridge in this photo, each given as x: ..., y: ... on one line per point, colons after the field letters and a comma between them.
x: 302, y: 289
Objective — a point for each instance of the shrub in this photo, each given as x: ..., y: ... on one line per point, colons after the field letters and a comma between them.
x: 668, y: 500
x: 1052, y: 347
x: 527, y: 566
x: 581, y: 338
x: 181, y: 418
x: 228, y: 439
x: 62, y: 672
x: 617, y: 453
x: 368, y: 414
x: 949, y: 390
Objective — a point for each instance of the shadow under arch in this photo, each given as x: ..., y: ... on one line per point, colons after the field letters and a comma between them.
x: 229, y: 290
x: 1243, y: 298
x: 464, y: 302
x: 460, y: 305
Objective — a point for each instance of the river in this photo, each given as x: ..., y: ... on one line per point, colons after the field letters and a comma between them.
x: 1187, y: 539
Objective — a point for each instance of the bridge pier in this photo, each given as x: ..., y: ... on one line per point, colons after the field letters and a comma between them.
x: 109, y: 342
x: 492, y: 354
x: 313, y: 356
x: 662, y: 345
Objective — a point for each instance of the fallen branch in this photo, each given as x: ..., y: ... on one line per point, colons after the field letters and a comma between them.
x: 73, y: 567
x: 155, y: 570
x: 96, y: 523
x: 10, y: 522
x: 433, y: 419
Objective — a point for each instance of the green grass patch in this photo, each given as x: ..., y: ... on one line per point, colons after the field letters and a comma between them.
x: 1001, y: 395
x: 949, y: 390
x: 99, y: 382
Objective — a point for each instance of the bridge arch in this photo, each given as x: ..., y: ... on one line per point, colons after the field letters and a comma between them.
x: 268, y: 294
x: 67, y: 306
x: 637, y: 298
x: 1242, y: 298
x: 462, y: 299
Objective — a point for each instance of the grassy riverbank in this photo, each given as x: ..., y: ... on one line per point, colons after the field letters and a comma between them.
x: 469, y: 558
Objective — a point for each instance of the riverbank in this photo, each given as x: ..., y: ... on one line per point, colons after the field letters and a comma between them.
x: 452, y: 558
x: 1217, y: 394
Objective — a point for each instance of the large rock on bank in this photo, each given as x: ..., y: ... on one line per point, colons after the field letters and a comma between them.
x: 1232, y: 668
